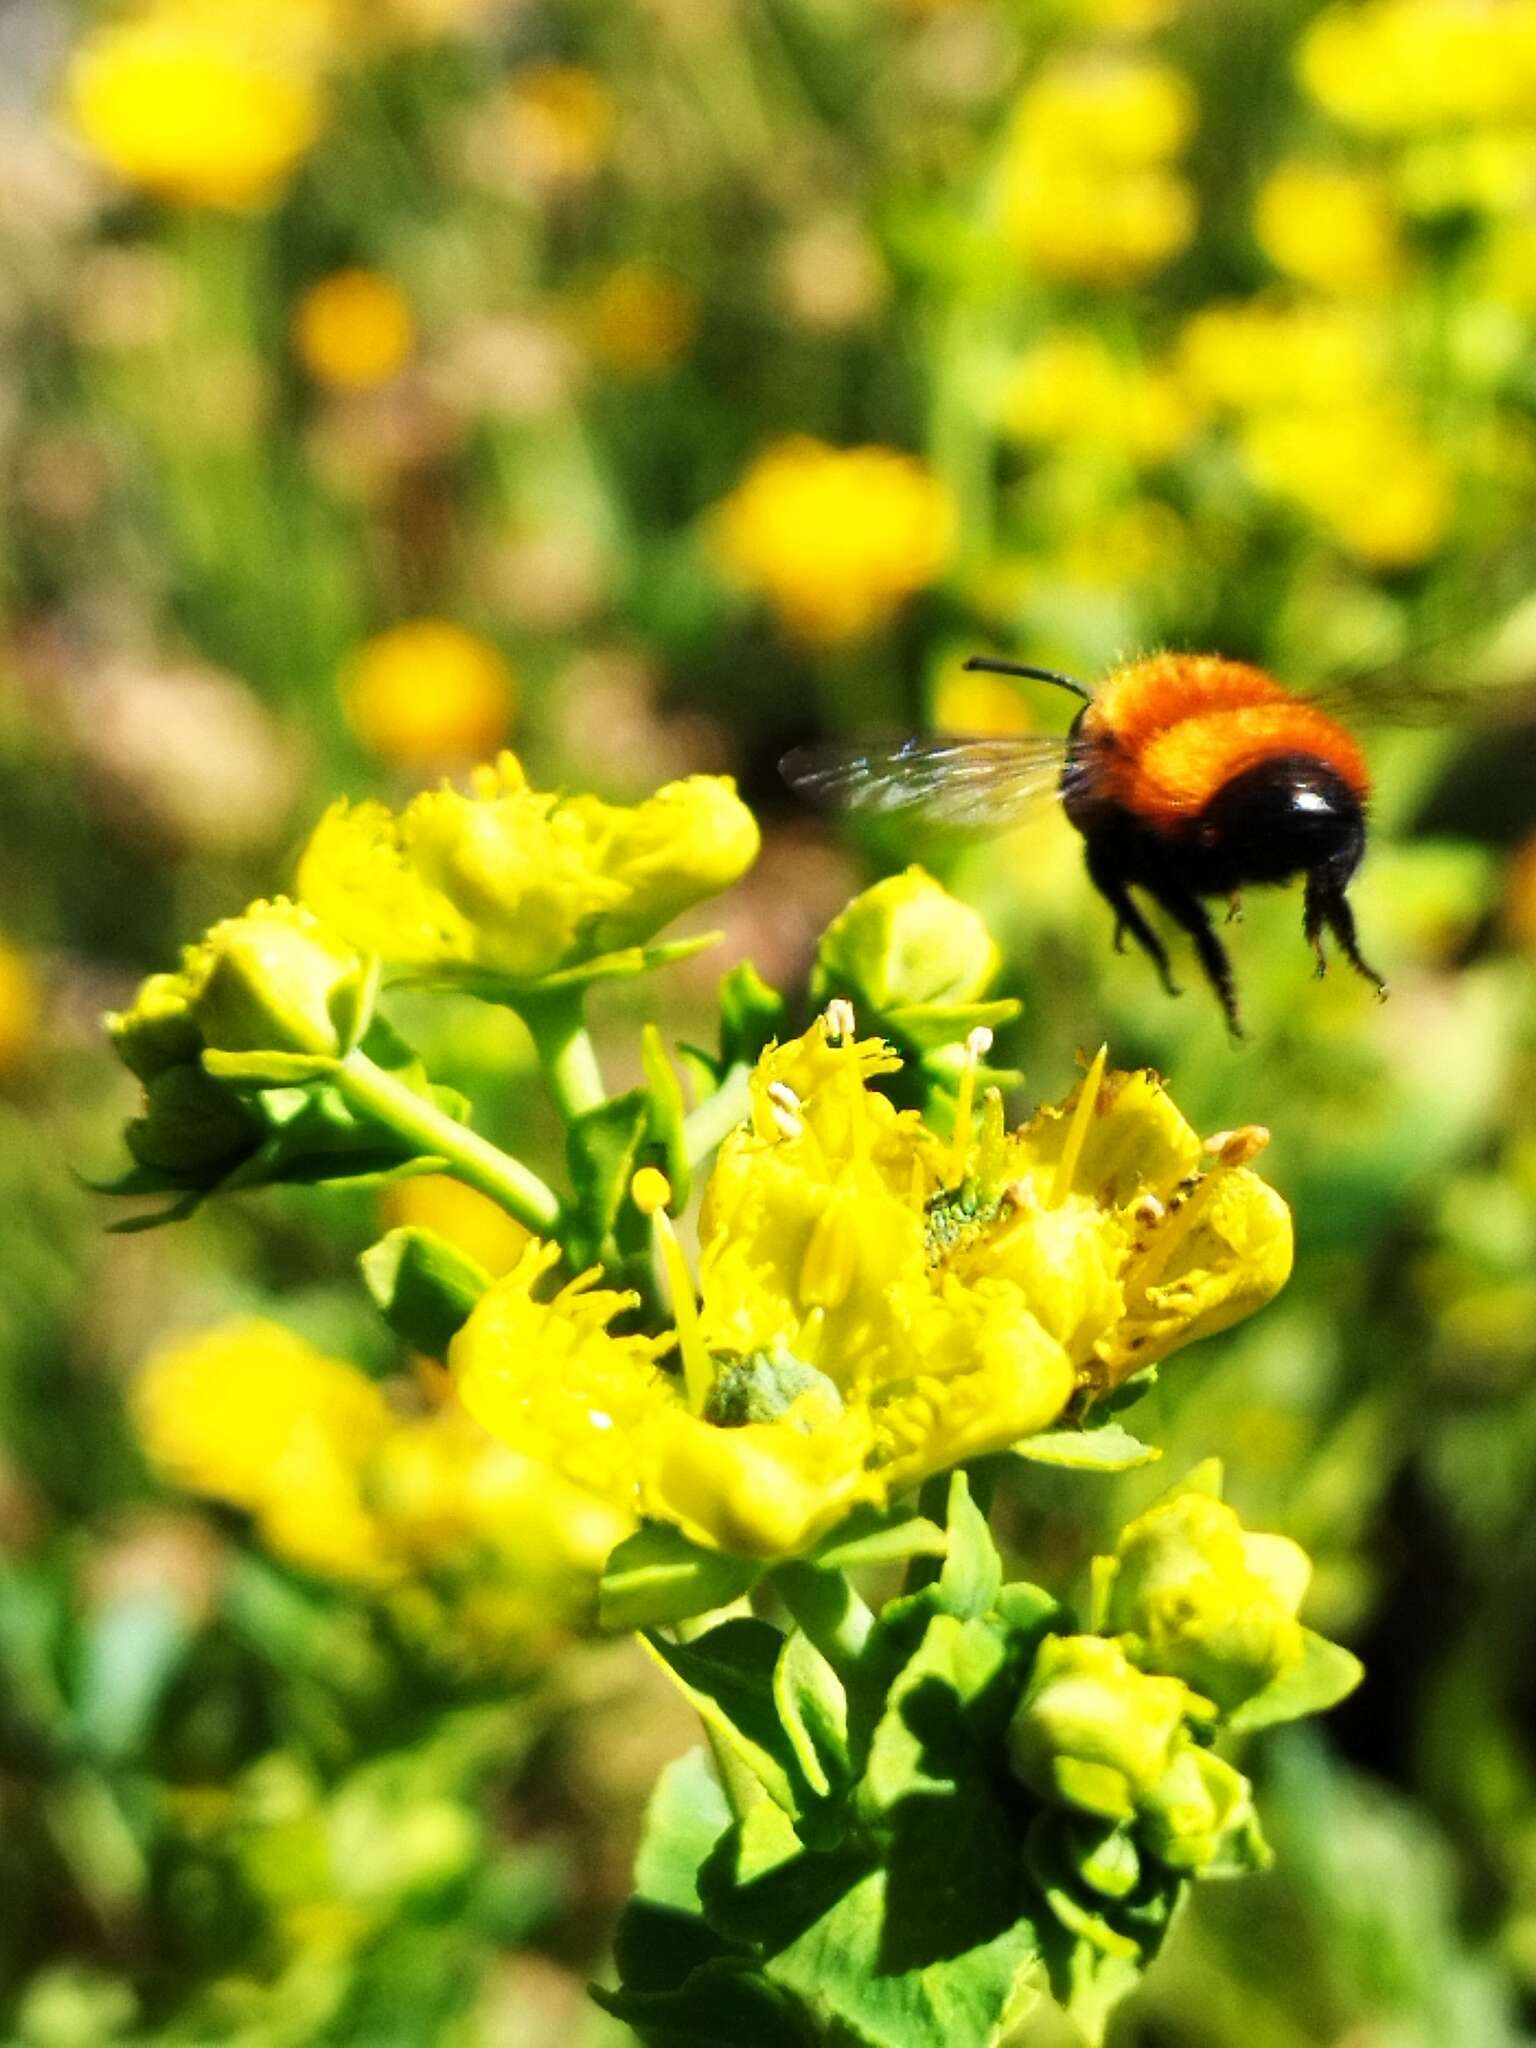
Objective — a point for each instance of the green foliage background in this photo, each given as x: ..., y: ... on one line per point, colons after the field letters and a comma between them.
x: 231, y: 1807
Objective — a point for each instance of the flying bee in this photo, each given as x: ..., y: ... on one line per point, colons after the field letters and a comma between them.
x: 1188, y: 776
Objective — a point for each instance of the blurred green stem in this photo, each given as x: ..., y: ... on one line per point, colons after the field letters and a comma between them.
x: 718, y: 1115
x: 377, y: 1094
x: 567, y: 1056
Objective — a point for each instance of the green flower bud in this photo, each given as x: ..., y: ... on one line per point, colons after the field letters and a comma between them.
x: 1191, y: 1594
x: 905, y: 942
x: 1092, y: 1731
x: 273, y: 980
x: 192, y: 1126
x: 1201, y: 1814
x: 689, y: 841
x: 158, y: 1031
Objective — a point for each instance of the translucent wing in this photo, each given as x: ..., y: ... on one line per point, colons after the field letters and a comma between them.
x: 973, y: 785
x: 1399, y: 697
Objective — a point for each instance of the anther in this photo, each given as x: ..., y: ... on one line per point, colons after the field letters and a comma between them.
x: 786, y: 1109
x: 1236, y: 1148
x: 841, y: 1022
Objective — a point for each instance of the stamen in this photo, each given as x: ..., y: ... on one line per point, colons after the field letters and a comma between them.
x: 977, y: 1045
x: 1190, y: 1201
x: 1077, y: 1130
x: 786, y: 1109
x: 1237, y: 1148
x: 651, y: 1191
x: 840, y: 1021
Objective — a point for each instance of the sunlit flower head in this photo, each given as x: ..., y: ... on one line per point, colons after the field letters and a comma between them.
x: 521, y: 883
x: 1404, y: 66
x: 560, y: 122
x: 835, y: 539
x: 194, y: 107
x: 1365, y: 471
x: 1328, y: 227
x: 1246, y: 354
x: 876, y: 1302
x: 429, y: 692
x: 639, y: 320
x: 354, y: 330
x: 1071, y: 389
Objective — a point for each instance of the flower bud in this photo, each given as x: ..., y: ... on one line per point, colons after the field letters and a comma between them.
x: 905, y: 941
x: 1092, y: 1731
x: 273, y: 980
x: 1200, y: 1813
x: 1191, y: 1594
x: 157, y: 1032
x: 193, y: 1126
x: 692, y: 839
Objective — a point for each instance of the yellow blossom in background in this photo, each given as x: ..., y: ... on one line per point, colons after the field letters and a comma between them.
x: 965, y: 700
x: 1328, y: 227
x: 639, y: 319
x: 250, y: 1414
x: 20, y: 1007
x: 875, y: 1302
x: 468, y: 1220
x: 560, y: 122
x: 1395, y: 67
x: 1484, y: 170
x: 428, y: 692
x: 1246, y: 354
x: 1088, y: 189
x: 1071, y: 387
x: 194, y: 107
x: 1520, y: 897
x: 354, y: 330
x: 1365, y: 471
x: 517, y: 882
x: 835, y: 539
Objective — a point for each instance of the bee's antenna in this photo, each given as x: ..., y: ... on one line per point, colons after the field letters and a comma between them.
x: 992, y: 666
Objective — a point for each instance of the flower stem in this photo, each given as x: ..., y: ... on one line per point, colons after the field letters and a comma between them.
x: 716, y: 1117
x: 827, y: 1608
x: 374, y: 1092
x: 567, y: 1056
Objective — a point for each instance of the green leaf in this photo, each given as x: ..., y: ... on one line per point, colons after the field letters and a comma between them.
x: 130, y: 1653
x: 752, y: 1015
x: 1326, y: 1674
x: 871, y: 1536
x: 423, y: 1286
x: 813, y: 1712
x: 973, y: 1571
x: 722, y: 2004
x: 728, y: 1675
x: 658, y: 1576
x: 602, y: 1150
x: 267, y: 1069
x: 928, y: 1027
x: 1106, y: 1447
x: 925, y: 1739
x: 667, y: 1113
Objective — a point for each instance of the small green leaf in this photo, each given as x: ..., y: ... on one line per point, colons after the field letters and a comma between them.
x: 813, y: 1710
x: 267, y: 1069
x: 752, y: 1015
x: 423, y: 1286
x: 602, y: 1150
x: 658, y: 1576
x: 973, y: 1571
x: 1326, y: 1674
x: 928, y: 1027
x: 1107, y: 1447
x: 667, y: 1113
x: 870, y: 1536
x: 131, y: 1649
x: 728, y: 1674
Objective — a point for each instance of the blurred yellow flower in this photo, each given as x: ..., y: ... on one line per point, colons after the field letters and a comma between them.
x: 875, y: 1302
x: 967, y: 701
x: 428, y: 692
x: 354, y: 330
x: 1071, y: 387
x: 1087, y: 189
x: 560, y: 121
x: 250, y: 1414
x: 1401, y: 66
x: 194, y: 107
x: 521, y: 883
x: 1245, y: 354
x: 20, y: 1007
x: 639, y: 320
x: 1520, y: 897
x: 1364, y: 470
x: 834, y: 538
x: 1486, y: 170
x: 1328, y: 227
x: 468, y: 1220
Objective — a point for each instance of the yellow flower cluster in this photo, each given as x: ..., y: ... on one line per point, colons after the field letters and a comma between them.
x: 1329, y: 227
x: 835, y: 539
x: 1072, y: 389
x: 517, y: 882
x: 1402, y: 67
x: 480, y: 1553
x: 876, y: 1303
x: 354, y: 330
x: 428, y: 692
x: 200, y: 104
x: 1089, y: 193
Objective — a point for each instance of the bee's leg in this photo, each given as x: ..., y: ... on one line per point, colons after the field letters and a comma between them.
x: 1333, y: 904
x: 1235, y: 907
x: 1191, y: 913
x: 1111, y: 885
x: 1315, y: 915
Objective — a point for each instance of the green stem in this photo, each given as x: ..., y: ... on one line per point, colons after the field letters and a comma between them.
x: 714, y: 1119
x: 375, y: 1093
x: 830, y: 1612
x: 567, y: 1056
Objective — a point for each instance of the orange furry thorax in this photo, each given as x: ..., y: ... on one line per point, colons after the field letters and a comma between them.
x: 1165, y: 735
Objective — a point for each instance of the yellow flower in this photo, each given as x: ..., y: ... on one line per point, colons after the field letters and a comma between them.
x: 250, y: 1414
x: 561, y: 120
x: 835, y: 539
x: 1328, y: 227
x: 521, y: 883
x: 427, y: 692
x: 1072, y: 388
x: 1364, y: 470
x: 1094, y: 1732
x: 1396, y: 67
x: 1087, y: 191
x: 966, y: 700
x: 640, y: 319
x: 354, y: 330
x: 875, y: 1303
x: 1253, y: 353
x: 198, y: 110
x: 19, y: 1008
x: 466, y: 1219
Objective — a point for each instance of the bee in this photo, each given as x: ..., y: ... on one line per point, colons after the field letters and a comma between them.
x: 1189, y: 776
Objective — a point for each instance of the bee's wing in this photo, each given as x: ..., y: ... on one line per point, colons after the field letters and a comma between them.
x: 1400, y: 697
x: 974, y: 785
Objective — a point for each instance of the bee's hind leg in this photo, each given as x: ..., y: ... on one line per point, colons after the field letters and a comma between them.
x: 1327, y: 903
x: 1111, y: 885
x: 1191, y: 913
